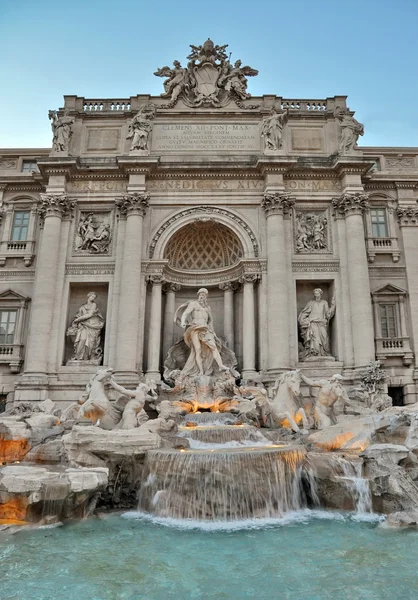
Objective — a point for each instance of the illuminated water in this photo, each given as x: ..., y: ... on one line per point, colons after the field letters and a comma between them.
x: 133, y: 558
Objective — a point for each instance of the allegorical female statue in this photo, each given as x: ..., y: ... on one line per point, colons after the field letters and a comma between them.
x: 62, y: 130
x: 85, y: 331
x: 272, y: 129
x: 314, y: 325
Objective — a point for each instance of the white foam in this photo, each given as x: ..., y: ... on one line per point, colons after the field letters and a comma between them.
x: 291, y: 518
x: 197, y: 444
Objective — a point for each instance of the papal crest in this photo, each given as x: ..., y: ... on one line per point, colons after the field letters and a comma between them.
x: 208, y: 80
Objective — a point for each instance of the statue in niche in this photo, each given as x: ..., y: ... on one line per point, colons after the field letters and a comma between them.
x: 272, y: 129
x: 140, y: 127
x: 351, y: 129
x: 314, y: 325
x: 62, y: 130
x: 94, y: 237
x: 85, y: 331
x: 196, y: 318
x: 311, y: 232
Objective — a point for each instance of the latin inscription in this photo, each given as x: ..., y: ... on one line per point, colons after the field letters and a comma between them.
x: 186, y: 185
x: 196, y: 137
x: 313, y: 185
x: 97, y: 186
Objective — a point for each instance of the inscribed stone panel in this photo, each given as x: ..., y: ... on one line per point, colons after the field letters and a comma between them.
x: 186, y: 137
x: 103, y: 138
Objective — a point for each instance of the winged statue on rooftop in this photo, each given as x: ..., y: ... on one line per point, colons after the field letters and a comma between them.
x: 210, y: 79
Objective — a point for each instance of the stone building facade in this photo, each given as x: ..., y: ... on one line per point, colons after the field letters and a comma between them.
x: 261, y: 200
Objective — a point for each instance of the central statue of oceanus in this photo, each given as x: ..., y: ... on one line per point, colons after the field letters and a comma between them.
x: 201, y: 352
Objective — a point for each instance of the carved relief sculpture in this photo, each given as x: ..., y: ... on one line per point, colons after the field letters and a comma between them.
x: 93, y: 233
x: 62, y: 131
x: 351, y: 129
x: 209, y: 78
x: 85, y: 331
x: 314, y: 326
x: 311, y: 232
x: 272, y: 129
x: 140, y: 127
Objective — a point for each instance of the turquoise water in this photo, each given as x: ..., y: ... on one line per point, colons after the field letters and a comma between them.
x: 302, y: 557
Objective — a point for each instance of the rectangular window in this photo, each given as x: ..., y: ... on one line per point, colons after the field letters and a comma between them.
x: 379, y: 222
x: 7, y: 326
x: 388, y: 320
x: 28, y: 166
x: 20, y: 225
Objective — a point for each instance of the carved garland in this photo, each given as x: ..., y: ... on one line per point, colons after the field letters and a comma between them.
x: 208, y: 210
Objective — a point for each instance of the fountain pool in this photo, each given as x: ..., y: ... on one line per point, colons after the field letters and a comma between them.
x: 305, y: 556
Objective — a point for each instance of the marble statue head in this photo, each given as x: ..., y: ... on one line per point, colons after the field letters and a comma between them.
x: 317, y: 293
x: 92, y: 296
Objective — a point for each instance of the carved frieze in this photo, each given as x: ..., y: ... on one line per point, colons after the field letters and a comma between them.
x: 210, y: 184
x: 8, y: 163
x: 399, y: 162
x: 99, y: 186
x: 311, y: 232
x: 93, y: 234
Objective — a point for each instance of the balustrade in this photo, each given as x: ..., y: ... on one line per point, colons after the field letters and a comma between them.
x: 106, y: 105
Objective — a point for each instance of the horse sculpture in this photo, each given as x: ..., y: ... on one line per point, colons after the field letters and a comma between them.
x: 285, y: 404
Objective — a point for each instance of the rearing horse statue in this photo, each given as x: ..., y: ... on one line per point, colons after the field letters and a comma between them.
x: 286, y: 407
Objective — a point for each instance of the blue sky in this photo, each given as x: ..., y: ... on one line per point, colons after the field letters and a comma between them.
x: 365, y: 49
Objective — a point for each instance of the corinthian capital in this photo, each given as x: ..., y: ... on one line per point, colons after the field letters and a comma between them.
x: 277, y: 203
x: 133, y: 204
x: 55, y: 206
x: 351, y: 204
x: 408, y: 216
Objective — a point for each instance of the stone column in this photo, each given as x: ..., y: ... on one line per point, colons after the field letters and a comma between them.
x: 248, y: 321
x: 276, y: 205
x: 228, y: 289
x: 170, y: 304
x: 132, y: 207
x: 154, y: 336
x: 52, y: 209
x: 408, y: 221
x: 352, y: 207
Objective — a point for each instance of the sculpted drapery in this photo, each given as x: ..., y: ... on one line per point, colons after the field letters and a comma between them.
x: 85, y: 331
x: 313, y: 320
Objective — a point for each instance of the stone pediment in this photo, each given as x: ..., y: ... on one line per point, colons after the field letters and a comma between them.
x: 10, y: 295
x: 389, y: 290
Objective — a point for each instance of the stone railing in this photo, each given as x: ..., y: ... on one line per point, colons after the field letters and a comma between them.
x: 11, y: 249
x: 118, y: 105
x: 392, y: 347
x: 386, y: 245
x: 305, y: 105
x: 12, y: 355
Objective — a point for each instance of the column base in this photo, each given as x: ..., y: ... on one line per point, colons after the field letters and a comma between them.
x: 31, y: 387
x: 155, y: 375
x: 250, y: 374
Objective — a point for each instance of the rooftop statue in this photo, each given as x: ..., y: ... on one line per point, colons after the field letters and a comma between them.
x: 351, y: 129
x: 140, y: 127
x: 209, y: 78
x: 272, y: 129
x: 62, y: 130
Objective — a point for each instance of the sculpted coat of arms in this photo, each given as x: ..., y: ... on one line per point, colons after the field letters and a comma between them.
x: 209, y: 79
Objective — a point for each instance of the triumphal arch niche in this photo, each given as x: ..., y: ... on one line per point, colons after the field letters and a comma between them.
x: 303, y: 242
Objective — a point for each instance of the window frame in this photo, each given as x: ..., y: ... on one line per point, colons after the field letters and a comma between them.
x: 26, y: 162
x: 22, y: 226
x: 379, y: 223
x: 8, y: 322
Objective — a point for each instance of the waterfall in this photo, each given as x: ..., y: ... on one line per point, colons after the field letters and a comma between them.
x: 223, y: 435
x: 211, y: 418
x: 357, y: 486
x: 223, y: 484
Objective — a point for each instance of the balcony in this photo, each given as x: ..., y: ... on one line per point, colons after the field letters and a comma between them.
x: 12, y: 355
x: 395, y: 347
x: 382, y: 245
x: 15, y: 249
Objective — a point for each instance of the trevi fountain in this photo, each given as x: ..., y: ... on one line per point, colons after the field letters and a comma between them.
x: 241, y: 438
